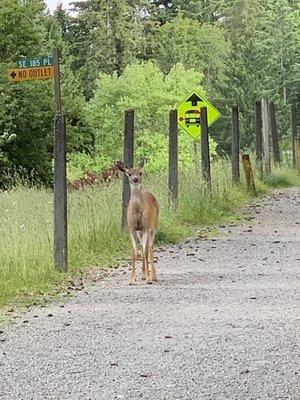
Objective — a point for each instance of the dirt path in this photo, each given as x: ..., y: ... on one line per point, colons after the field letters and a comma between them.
x: 222, y: 323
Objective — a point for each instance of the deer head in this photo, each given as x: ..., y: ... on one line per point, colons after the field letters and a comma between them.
x: 134, y: 174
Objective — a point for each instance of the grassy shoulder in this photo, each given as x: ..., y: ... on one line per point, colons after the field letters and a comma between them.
x: 27, y: 274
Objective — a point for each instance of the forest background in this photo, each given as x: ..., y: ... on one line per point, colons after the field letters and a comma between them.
x: 146, y: 55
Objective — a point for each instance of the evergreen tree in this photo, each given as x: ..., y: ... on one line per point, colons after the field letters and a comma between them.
x: 105, y: 37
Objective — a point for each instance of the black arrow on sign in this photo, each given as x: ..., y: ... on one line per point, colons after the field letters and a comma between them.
x: 194, y: 98
x: 13, y: 74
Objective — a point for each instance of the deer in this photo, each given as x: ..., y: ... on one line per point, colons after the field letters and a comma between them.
x: 142, y: 218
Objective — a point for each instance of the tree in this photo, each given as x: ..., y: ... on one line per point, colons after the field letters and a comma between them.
x: 143, y: 87
x: 195, y: 45
x: 262, y: 43
x: 200, y: 10
x: 105, y: 37
x: 26, y: 109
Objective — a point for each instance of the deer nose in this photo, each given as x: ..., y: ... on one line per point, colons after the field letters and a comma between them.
x: 135, y: 180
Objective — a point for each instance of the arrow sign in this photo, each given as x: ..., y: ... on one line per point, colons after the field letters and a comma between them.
x: 30, y: 74
x: 194, y: 99
x: 189, y: 114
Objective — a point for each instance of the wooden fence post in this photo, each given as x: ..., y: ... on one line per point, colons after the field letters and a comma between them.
x: 248, y: 173
x: 297, y: 152
x: 258, y: 138
x: 294, y: 131
x: 274, y: 133
x: 235, y: 145
x: 266, y: 136
x: 173, y: 159
x: 128, y: 160
x: 205, y: 156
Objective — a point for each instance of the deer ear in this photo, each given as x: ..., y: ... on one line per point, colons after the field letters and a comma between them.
x: 141, y: 163
x: 121, y: 166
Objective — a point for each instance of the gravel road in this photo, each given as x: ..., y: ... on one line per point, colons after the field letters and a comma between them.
x: 221, y: 323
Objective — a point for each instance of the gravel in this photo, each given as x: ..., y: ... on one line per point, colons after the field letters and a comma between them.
x: 221, y: 323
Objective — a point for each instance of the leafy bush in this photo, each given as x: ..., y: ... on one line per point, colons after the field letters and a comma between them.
x: 144, y: 88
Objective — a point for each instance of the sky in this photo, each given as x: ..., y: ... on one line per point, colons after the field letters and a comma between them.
x: 53, y: 3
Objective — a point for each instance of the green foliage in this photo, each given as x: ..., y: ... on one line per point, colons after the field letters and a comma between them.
x: 282, y: 177
x: 19, y: 20
x: 234, y: 51
x: 79, y: 163
x: 194, y: 45
x: 31, y: 123
x: 104, y: 38
x: 144, y: 88
x: 264, y: 50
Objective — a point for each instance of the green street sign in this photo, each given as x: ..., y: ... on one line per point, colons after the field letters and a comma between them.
x: 188, y: 112
x: 35, y: 62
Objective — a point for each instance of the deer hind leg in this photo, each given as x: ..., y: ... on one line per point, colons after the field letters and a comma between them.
x: 145, y: 245
x: 151, y: 256
x: 134, y: 240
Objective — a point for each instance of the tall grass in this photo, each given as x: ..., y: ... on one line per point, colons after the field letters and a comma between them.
x: 95, y: 238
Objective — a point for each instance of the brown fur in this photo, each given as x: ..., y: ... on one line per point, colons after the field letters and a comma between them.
x: 142, y: 218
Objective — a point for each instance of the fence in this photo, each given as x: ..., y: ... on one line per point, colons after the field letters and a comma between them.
x: 266, y: 145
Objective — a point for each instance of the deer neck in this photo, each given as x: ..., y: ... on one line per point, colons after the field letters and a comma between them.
x: 136, y: 199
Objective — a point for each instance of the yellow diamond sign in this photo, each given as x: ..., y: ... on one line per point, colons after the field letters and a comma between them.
x: 188, y: 112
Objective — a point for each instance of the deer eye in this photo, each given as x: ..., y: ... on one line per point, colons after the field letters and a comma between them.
x: 129, y: 174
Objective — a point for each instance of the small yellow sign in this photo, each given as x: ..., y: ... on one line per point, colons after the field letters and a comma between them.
x: 29, y: 74
x: 188, y: 112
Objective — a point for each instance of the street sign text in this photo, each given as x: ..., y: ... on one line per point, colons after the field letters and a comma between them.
x: 29, y: 74
x: 35, y: 62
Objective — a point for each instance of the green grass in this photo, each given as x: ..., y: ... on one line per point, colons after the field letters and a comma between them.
x: 282, y: 177
x: 95, y: 239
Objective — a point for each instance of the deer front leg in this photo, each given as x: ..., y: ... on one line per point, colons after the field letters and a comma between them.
x: 151, y: 256
x: 152, y: 266
x: 145, y: 246
x: 143, y: 267
x: 134, y: 257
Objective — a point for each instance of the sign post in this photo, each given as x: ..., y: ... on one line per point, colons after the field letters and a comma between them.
x: 173, y: 159
x: 235, y: 145
x: 60, y: 177
x: 205, y: 154
x: 43, y: 68
x: 195, y: 114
